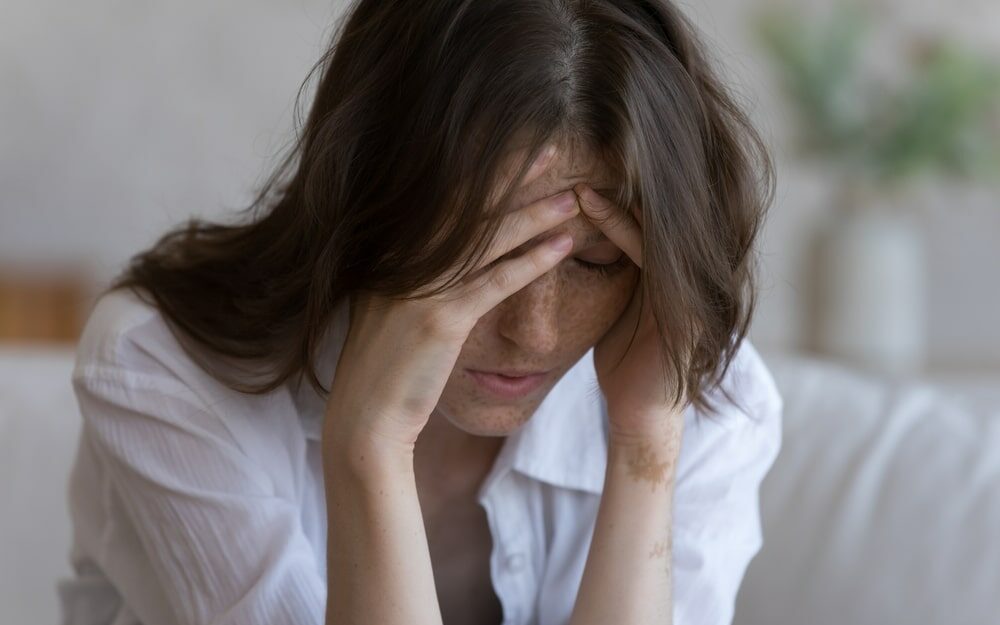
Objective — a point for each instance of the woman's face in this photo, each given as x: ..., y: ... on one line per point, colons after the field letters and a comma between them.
x: 549, y: 324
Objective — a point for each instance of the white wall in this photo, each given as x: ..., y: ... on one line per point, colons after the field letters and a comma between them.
x: 118, y: 119
x: 121, y: 118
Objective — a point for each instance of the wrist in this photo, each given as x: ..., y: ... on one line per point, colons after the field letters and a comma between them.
x: 646, y: 456
x: 362, y: 455
x: 661, y: 430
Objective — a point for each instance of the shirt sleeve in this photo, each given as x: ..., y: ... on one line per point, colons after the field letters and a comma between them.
x: 224, y: 548
x: 717, y: 529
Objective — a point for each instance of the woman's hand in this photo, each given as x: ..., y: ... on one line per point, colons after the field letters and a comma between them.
x: 636, y: 390
x: 399, y: 354
x: 629, y: 562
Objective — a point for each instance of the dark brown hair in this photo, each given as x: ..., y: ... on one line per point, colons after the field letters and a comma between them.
x: 384, y: 187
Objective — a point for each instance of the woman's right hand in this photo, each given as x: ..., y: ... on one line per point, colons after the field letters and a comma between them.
x: 399, y: 354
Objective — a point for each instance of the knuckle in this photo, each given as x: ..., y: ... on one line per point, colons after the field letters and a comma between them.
x: 541, y: 217
x: 503, y: 277
x: 537, y: 217
x: 540, y: 259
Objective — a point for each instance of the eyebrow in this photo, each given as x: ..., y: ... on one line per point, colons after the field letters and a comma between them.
x: 595, y: 236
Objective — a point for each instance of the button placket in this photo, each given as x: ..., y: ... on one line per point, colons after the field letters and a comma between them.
x: 498, y: 580
x: 510, y: 559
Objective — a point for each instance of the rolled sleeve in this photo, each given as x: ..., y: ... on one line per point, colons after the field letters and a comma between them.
x: 222, y: 547
x: 717, y: 527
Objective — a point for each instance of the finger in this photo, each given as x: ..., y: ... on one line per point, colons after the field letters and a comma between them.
x: 527, y: 221
x: 542, y: 161
x: 545, y: 158
x: 495, y: 284
x: 619, y: 226
x: 530, y: 221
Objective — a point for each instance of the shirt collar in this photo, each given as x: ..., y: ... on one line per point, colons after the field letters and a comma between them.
x: 563, y: 444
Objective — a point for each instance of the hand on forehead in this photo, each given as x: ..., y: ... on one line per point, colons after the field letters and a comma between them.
x: 600, y: 222
x: 571, y: 166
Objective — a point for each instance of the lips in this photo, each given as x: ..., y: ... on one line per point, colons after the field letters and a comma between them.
x: 510, y: 373
x: 506, y: 386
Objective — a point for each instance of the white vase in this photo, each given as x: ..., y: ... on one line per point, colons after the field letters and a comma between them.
x: 872, y: 309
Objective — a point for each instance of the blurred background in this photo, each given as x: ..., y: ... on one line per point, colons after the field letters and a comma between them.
x: 879, y: 260
x: 121, y: 119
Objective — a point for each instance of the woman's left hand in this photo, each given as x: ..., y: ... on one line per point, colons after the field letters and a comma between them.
x: 636, y: 390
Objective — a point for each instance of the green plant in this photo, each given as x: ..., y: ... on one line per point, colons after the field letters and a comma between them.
x: 942, y: 119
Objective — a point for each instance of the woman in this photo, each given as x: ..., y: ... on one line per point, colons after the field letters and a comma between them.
x: 453, y: 368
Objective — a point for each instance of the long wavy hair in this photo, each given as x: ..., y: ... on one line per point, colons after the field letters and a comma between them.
x: 384, y: 187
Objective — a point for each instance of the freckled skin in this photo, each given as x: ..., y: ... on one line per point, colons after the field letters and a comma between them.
x: 548, y: 324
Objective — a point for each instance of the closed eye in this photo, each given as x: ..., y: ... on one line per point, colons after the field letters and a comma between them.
x: 605, y: 269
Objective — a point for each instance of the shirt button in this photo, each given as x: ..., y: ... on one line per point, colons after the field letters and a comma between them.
x: 515, y: 561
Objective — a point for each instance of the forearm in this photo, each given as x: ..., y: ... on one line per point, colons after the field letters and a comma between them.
x: 378, y: 562
x: 627, y: 579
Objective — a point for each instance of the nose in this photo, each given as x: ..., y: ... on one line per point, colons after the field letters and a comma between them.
x: 530, y: 316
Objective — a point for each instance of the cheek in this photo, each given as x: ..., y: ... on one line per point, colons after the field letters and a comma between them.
x: 588, y: 304
x: 592, y: 304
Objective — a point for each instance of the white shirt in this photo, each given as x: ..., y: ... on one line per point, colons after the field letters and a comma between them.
x: 195, y: 504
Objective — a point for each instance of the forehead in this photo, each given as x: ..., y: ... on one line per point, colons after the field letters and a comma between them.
x: 573, y: 164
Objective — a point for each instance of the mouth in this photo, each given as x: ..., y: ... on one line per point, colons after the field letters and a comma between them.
x: 513, y: 386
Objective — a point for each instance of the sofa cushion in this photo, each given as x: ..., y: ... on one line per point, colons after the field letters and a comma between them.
x: 883, y: 505
x: 39, y: 428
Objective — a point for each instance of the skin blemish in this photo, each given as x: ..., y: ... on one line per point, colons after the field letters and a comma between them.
x: 644, y: 465
x: 659, y: 550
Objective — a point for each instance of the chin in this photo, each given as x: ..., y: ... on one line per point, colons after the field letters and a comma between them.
x: 489, y: 420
